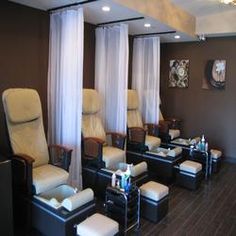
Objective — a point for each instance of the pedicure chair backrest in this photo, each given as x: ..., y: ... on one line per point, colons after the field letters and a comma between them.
x: 91, y: 123
x: 33, y: 165
x: 134, y: 118
x: 25, y: 124
x: 140, y: 136
x: 96, y: 150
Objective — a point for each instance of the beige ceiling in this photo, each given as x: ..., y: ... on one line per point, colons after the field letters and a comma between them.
x: 187, y: 17
x: 212, y: 17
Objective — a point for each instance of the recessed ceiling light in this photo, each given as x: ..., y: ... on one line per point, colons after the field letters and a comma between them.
x: 177, y: 37
x: 147, y: 25
x: 106, y: 8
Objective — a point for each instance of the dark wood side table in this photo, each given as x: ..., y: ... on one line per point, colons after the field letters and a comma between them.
x: 6, y: 215
x: 124, y: 207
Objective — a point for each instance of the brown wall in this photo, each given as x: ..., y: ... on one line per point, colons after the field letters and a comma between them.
x: 89, y: 55
x: 23, y: 54
x: 209, y: 112
x: 24, y: 36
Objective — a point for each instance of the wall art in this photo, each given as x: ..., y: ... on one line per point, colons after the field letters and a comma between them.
x: 214, y: 77
x: 179, y: 73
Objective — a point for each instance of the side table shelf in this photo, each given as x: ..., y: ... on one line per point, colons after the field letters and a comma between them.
x: 124, y: 207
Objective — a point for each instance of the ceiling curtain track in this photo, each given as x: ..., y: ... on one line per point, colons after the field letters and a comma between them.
x: 111, y: 75
x: 65, y: 77
x: 146, y: 76
x: 71, y: 5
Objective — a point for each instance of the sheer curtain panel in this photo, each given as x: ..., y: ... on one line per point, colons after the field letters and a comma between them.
x: 111, y: 75
x: 146, y: 76
x: 65, y: 76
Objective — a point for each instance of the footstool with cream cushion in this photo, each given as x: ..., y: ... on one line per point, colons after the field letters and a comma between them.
x: 190, y: 175
x: 216, y: 157
x: 154, y: 201
x: 98, y: 225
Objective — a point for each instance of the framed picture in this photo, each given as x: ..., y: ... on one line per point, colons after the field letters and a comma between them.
x: 214, y: 77
x: 179, y: 72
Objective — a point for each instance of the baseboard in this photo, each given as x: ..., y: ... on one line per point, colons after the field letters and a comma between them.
x: 230, y: 160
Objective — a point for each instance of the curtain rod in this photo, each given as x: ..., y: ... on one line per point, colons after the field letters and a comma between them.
x: 152, y: 34
x: 71, y: 5
x: 118, y: 21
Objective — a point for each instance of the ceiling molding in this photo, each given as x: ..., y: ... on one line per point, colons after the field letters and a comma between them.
x: 165, y: 12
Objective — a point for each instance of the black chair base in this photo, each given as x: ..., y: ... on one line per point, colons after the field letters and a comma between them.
x: 99, y: 179
x: 60, y: 222
x: 159, y: 168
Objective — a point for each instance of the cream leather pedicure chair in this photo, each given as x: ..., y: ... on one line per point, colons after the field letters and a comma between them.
x: 42, y: 197
x: 103, y: 153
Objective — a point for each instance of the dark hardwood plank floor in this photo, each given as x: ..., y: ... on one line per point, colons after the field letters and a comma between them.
x: 211, y: 210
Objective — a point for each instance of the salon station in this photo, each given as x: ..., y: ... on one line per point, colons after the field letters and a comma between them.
x: 117, y: 117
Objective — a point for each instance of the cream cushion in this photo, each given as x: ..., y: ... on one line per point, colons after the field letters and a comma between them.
x: 134, y: 119
x: 190, y: 166
x: 98, y: 225
x: 22, y: 105
x: 152, y: 142
x: 174, y: 133
x: 91, y: 101
x: 174, y: 152
x: 215, y: 153
x: 112, y: 156
x: 47, y: 177
x: 154, y: 190
x: 92, y: 127
x: 79, y: 199
x: 133, y: 101
x: 138, y: 169
x: 25, y: 124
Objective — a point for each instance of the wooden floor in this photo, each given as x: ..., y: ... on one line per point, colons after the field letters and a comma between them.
x: 211, y: 210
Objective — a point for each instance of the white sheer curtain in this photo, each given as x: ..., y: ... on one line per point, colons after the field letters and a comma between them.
x: 111, y: 75
x: 146, y: 76
x: 65, y: 76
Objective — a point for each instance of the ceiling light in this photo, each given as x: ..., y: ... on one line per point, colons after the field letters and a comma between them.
x: 233, y: 2
x: 147, y: 25
x: 106, y: 8
x: 177, y: 37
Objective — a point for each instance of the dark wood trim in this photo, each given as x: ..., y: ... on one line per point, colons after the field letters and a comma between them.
x: 119, y: 21
x: 71, y: 5
x: 153, y: 34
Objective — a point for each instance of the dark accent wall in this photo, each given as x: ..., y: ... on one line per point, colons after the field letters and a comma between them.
x: 209, y: 112
x: 23, y: 54
x: 89, y: 55
x: 24, y: 40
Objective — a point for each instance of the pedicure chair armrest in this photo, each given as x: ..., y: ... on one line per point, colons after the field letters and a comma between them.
x: 136, y: 135
x: 164, y: 127
x: 174, y: 123
x: 60, y: 156
x: 22, y: 165
x: 152, y: 129
x: 118, y: 139
x: 92, y: 150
